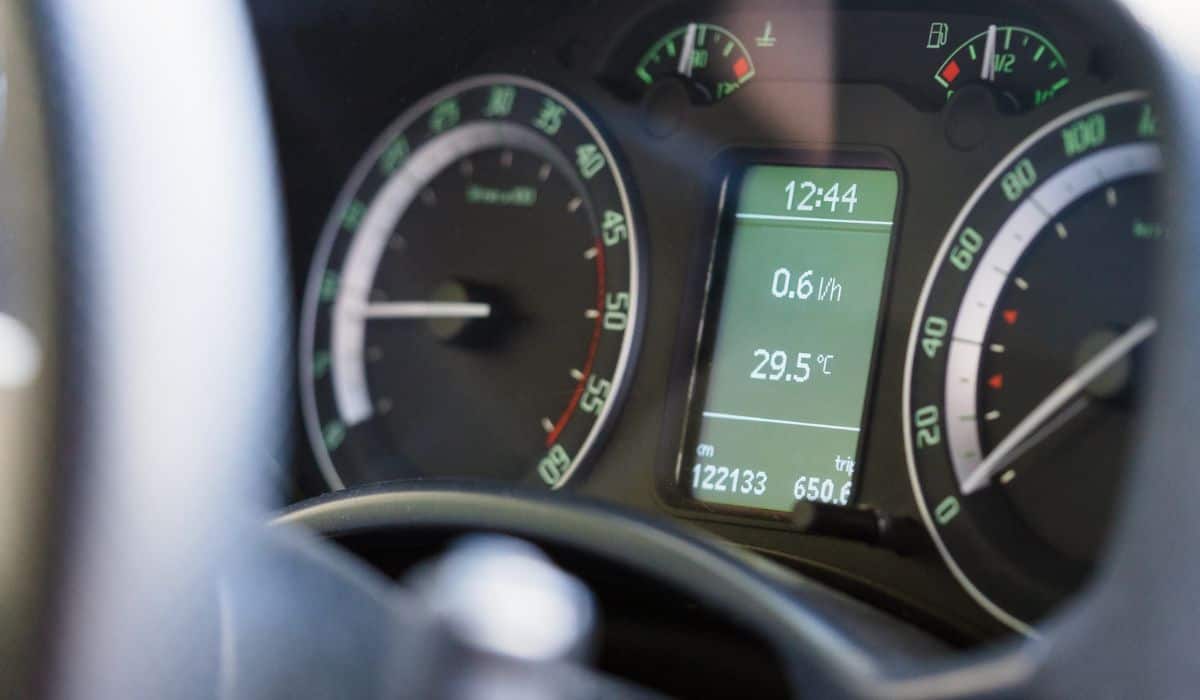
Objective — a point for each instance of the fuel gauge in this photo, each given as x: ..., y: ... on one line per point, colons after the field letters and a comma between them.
x: 1023, y: 66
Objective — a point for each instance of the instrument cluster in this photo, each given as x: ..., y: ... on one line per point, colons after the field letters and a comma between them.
x: 863, y: 289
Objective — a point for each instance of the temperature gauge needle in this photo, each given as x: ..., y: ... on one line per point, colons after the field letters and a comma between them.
x: 1064, y: 394
x: 689, y: 48
x: 421, y: 310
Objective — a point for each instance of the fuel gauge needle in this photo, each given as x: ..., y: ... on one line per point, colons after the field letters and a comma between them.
x: 1064, y: 394
x: 421, y: 309
x: 988, y: 72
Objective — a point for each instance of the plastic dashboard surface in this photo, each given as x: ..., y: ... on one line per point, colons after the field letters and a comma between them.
x: 866, y: 88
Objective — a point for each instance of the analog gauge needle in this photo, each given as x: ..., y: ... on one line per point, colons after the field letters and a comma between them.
x: 689, y: 48
x: 424, y: 309
x: 988, y: 72
x: 1063, y: 396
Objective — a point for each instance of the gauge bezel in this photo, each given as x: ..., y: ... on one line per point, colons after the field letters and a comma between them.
x: 332, y: 232
x: 932, y: 276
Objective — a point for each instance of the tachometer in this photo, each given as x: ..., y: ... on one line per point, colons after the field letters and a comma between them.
x: 1024, y: 353
x: 473, y: 308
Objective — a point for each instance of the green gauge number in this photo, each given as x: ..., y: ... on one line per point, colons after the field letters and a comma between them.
x: 710, y: 58
x: 1021, y: 64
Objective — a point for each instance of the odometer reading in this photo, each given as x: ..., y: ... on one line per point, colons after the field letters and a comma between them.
x: 473, y: 306
x: 789, y: 338
x: 1022, y: 364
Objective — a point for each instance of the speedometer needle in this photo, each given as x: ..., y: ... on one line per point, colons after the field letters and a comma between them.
x: 1045, y: 411
x: 422, y: 309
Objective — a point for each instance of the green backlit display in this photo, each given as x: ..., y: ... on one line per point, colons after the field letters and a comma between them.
x: 789, y: 338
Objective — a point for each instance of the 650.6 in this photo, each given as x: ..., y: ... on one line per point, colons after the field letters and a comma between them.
x: 816, y: 489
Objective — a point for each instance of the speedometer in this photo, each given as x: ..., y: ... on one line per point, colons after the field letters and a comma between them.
x: 1024, y: 355
x: 473, y: 309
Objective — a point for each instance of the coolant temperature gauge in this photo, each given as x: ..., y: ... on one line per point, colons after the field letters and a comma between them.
x: 1021, y: 65
x: 710, y: 59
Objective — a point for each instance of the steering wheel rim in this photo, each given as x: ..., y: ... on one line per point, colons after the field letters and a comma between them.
x: 173, y: 328
x: 27, y: 289
x: 189, y: 93
x: 1130, y: 633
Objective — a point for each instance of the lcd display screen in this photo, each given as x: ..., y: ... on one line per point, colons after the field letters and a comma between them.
x: 788, y: 338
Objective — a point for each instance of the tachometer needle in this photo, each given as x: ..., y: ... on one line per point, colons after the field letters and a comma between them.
x: 1045, y: 411
x: 988, y: 72
x: 422, y: 309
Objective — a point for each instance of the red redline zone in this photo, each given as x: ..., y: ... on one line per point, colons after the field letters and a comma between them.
x: 597, y: 329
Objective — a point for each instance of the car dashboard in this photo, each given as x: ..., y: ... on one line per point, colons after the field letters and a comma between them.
x: 862, y: 288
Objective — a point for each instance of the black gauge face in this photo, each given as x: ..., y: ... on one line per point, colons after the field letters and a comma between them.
x: 1024, y: 356
x: 473, y: 309
x: 709, y: 58
x: 1021, y: 65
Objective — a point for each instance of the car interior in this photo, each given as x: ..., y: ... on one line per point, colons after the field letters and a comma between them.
x: 599, y: 349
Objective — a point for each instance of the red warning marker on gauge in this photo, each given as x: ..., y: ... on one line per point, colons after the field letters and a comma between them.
x: 741, y: 67
x: 1010, y: 316
x: 951, y: 71
x: 996, y: 381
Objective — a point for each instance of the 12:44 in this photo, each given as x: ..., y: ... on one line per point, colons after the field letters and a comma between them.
x: 807, y: 196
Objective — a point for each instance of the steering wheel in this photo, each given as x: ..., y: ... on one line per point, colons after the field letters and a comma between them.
x: 144, y: 258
